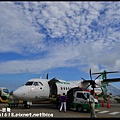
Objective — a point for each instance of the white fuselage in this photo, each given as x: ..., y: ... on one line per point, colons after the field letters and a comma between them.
x: 40, y: 89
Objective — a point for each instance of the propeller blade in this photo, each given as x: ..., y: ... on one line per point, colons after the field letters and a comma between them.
x: 47, y: 76
x: 103, y: 93
x: 93, y: 89
x: 90, y: 74
x: 87, y: 86
x: 83, y: 78
x: 98, y: 76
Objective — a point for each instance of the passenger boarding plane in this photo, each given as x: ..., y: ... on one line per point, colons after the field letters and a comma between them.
x: 39, y: 89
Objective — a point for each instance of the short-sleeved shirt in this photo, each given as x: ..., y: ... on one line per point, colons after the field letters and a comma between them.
x: 91, y: 99
x: 63, y: 98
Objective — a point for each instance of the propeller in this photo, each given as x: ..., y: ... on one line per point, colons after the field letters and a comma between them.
x: 92, y: 82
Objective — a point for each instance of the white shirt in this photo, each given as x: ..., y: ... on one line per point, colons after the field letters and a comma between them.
x: 91, y: 99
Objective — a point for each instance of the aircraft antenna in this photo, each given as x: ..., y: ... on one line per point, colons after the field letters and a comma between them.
x: 40, y: 77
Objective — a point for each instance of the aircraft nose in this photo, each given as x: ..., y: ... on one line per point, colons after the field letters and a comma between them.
x: 17, y: 93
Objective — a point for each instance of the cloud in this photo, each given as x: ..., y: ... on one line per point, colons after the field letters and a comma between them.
x: 59, y: 34
x: 16, y: 30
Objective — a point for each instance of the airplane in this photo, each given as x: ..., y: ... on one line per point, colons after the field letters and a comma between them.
x: 39, y: 89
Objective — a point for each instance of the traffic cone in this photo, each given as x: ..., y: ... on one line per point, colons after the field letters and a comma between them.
x: 108, y: 104
x: 103, y: 104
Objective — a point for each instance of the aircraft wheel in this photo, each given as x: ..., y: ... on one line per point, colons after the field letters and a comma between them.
x: 26, y: 106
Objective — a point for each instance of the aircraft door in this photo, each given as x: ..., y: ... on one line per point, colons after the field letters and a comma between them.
x: 53, y: 90
x: 44, y: 89
x: 53, y: 87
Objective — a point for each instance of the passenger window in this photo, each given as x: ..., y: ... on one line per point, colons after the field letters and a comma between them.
x: 61, y: 88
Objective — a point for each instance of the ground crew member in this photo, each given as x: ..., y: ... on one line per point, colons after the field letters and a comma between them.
x: 63, y: 99
x: 92, y: 105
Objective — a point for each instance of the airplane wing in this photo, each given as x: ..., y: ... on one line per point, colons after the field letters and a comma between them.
x: 104, y: 80
x: 111, y: 80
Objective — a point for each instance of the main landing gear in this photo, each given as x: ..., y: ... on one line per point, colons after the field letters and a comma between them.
x: 27, y: 104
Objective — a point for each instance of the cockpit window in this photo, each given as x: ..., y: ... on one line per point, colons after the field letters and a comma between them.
x: 5, y: 90
x: 41, y: 83
x: 36, y: 83
x: 29, y: 83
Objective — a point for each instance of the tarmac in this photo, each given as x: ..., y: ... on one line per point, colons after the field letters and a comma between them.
x: 49, y: 110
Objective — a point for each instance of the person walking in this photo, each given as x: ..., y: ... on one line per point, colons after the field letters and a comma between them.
x: 92, y: 105
x: 58, y: 102
x: 63, y: 99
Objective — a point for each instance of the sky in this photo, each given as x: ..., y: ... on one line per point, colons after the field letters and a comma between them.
x: 64, y: 39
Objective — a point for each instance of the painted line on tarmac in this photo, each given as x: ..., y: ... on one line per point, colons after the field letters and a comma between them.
x: 103, y: 111
x: 114, y: 113
x: 97, y: 110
